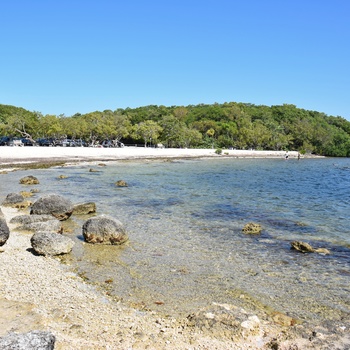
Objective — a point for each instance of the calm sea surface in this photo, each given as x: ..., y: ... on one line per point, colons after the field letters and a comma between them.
x: 185, y: 220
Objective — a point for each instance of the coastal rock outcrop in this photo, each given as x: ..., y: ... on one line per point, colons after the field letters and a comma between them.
x: 252, y: 228
x: 307, y: 248
x: 59, y: 207
x: 84, y: 208
x: 34, y: 340
x: 50, y: 243
x: 37, y: 223
x: 29, y: 180
x: 104, y: 229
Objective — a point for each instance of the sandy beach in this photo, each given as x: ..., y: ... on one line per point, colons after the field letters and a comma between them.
x: 41, y: 293
x: 10, y: 155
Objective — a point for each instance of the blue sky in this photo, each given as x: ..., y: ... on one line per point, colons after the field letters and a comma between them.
x: 69, y: 56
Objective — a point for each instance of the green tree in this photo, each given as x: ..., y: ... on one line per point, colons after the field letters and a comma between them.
x: 148, y: 130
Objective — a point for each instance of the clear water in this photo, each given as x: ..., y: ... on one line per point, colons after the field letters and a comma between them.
x: 187, y: 249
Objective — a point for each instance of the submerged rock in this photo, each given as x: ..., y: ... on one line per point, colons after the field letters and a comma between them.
x: 29, y: 180
x: 104, y: 230
x: 121, y: 183
x: 50, y: 243
x: 34, y: 340
x: 252, y: 228
x: 84, y: 208
x: 307, y: 248
x: 226, y: 321
x: 59, y: 207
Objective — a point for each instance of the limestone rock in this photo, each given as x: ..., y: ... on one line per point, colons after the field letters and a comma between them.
x: 84, y: 208
x: 4, y: 231
x: 26, y: 194
x: 252, y: 228
x: 34, y: 340
x: 121, y: 183
x: 302, y: 247
x: 307, y: 248
x: 105, y: 230
x: 50, y: 243
x: 59, y: 207
x: 29, y: 180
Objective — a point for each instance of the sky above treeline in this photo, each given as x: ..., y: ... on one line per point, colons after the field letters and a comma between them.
x: 79, y: 56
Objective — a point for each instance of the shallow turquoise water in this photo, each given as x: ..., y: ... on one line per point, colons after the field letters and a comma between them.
x: 186, y: 247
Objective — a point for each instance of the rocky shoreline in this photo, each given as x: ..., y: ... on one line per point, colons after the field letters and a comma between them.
x: 41, y: 293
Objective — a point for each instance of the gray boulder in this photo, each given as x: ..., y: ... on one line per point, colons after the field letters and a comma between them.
x: 59, y: 207
x: 104, y: 229
x: 4, y: 231
x: 50, y: 243
x: 29, y: 180
x: 34, y: 340
x: 84, y: 208
x: 37, y: 223
x: 12, y: 199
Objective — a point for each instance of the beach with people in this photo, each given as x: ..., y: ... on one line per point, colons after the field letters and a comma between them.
x: 45, y: 293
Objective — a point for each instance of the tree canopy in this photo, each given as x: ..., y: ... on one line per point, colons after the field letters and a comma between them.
x: 227, y: 125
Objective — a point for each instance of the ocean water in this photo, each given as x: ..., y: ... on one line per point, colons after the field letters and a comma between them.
x: 187, y: 250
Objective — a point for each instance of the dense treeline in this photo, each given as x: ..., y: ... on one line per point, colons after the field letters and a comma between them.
x: 237, y: 125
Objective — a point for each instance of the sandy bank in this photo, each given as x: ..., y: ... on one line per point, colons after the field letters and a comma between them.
x: 10, y: 155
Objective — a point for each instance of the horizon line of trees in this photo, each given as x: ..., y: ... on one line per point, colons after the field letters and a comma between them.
x: 236, y: 125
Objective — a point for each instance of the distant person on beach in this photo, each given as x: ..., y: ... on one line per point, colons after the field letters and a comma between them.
x: 299, y: 156
x: 286, y: 155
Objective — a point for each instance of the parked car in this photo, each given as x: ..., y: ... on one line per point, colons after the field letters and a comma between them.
x: 45, y: 142
x: 4, y: 141
x: 27, y: 142
x: 16, y: 142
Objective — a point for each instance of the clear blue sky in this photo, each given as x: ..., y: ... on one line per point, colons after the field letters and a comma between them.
x: 69, y: 56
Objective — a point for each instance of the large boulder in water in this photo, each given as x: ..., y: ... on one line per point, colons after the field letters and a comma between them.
x: 29, y: 180
x: 59, y: 207
x: 104, y: 229
x: 4, y: 231
x: 50, y: 243
x: 34, y: 340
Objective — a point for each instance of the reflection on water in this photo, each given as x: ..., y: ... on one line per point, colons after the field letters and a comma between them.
x: 186, y: 248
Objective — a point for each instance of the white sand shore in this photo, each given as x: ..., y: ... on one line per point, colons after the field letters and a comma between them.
x: 11, y: 155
